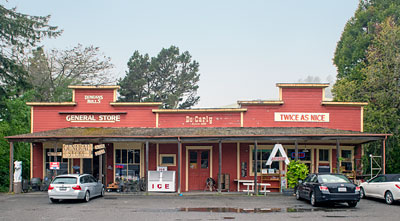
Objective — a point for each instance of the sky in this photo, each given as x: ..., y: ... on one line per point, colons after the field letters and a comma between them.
x: 243, y: 47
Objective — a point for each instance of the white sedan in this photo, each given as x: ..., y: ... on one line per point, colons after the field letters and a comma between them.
x: 386, y: 186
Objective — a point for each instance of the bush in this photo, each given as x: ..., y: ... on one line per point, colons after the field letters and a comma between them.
x: 296, y: 171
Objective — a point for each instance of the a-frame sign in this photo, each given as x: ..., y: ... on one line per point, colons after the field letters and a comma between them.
x: 274, y: 152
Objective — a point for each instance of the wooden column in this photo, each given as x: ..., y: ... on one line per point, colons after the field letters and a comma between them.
x: 11, y: 167
x: 147, y: 166
x: 296, y: 149
x: 219, y: 167
x: 179, y: 164
x: 255, y: 168
x: 101, y: 167
x: 384, y: 155
x: 337, y: 156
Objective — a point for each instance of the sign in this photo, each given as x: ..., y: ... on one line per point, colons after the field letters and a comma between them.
x: 54, y: 165
x: 78, y: 151
x: 99, y: 152
x: 277, y: 147
x: 199, y: 120
x: 161, y: 181
x: 301, y: 155
x: 93, y: 99
x: 162, y: 168
x: 99, y: 146
x: 302, y: 117
x: 54, y: 154
x: 91, y: 118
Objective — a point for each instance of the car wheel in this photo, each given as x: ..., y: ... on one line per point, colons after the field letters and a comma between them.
x: 87, y: 196
x: 362, y: 193
x: 313, y: 201
x: 389, y: 197
x: 352, y: 203
x: 297, y: 195
x: 53, y: 200
x: 102, y: 192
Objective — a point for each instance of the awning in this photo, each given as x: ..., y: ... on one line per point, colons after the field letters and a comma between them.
x: 309, y: 135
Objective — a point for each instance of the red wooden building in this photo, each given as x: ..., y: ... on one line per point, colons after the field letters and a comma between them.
x: 230, y: 145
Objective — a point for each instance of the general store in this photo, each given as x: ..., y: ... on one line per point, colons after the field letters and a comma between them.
x: 114, y: 141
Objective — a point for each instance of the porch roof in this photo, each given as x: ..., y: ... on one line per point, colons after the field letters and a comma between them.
x: 240, y: 134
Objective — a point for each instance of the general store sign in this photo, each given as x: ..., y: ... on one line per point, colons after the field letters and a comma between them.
x: 91, y: 118
x: 302, y: 117
x: 77, y: 150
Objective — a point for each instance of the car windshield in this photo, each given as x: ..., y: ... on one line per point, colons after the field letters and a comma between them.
x: 333, y: 178
x: 64, y: 180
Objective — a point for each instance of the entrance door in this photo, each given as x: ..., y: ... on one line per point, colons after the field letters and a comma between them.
x: 199, y: 169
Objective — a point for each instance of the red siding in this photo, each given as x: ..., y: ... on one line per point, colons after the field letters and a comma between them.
x: 37, y: 160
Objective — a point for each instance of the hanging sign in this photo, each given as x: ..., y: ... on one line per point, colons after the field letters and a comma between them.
x: 77, y: 151
x: 272, y: 157
x: 100, y: 152
x: 54, y: 165
x: 54, y: 154
x: 99, y: 146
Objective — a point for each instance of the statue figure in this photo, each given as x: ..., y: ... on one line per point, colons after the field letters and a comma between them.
x: 18, y: 171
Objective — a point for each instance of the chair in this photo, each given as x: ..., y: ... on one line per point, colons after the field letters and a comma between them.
x: 210, y: 184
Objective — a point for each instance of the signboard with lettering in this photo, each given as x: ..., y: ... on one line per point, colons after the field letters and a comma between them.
x: 91, y: 118
x: 99, y: 146
x: 99, y: 152
x: 195, y: 120
x: 54, y: 165
x: 302, y: 117
x: 54, y: 154
x: 93, y: 99
x: 78, y: 150
x: 272, y: 157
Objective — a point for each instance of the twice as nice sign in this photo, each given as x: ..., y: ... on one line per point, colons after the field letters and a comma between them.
x: 302, y: 117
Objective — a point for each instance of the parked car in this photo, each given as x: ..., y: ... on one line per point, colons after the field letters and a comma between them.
x: 74, y: 186
x: 385, y: 187
x: 328, y: 187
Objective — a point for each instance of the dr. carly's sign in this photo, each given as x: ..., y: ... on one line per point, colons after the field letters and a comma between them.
x: 302, y: 117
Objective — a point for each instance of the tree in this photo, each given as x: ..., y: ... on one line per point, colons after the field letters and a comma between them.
x: 17, y: 32
x: 381, y: 88
x: 51, y: 73
x: 170, y: 78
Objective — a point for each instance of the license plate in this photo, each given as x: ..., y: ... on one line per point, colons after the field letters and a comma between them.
x: 63, y: 188
x: 342, y: 189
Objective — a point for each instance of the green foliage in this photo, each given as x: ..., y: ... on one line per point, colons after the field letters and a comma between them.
x: 15, y: 120
x: 51, y: 73
x: 171, y: 77
x: 17, y: 32
x: 296, y: 171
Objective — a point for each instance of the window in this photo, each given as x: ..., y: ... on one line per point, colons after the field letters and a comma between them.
x: 347, y: 161
x: 305, y: 156
x: 167, y: 160
x: 323, y: 155
x: 204, y: 159
x: 127, y: 164
x: 262, y: 158
x: 63, y: 163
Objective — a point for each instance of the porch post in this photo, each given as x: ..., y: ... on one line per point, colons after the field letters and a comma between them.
x: 384, y: 156
x: 219, y: 166
x: 255, y: 168
x: 101, y: 167
x: 296, y: 149
x: 11, y: 167
x: 179, y: 164
x: 147, y: 166
x: 337, y: 156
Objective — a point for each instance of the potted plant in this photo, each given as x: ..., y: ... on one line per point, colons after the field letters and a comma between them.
x: 296, y: 171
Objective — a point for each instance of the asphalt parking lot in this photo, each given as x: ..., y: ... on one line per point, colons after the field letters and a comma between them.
x: 35, y: 206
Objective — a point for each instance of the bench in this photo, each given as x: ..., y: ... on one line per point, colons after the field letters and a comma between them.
x: 263, y: 189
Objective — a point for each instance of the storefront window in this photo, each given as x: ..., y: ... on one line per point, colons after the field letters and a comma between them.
x: 262, y: 158
x: 323, y: 155
x: 305, y: 156
x: 347, y: 159
x: 63, y: 163
x: 127, y: 164
x: 167, y: 160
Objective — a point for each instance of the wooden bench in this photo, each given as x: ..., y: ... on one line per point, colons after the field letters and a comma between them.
x: 250, y: 188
